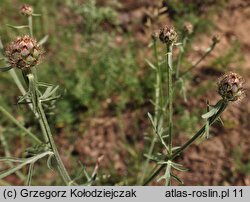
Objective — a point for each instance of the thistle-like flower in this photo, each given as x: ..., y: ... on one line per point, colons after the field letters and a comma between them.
x: 23, y: 53
x: 26, y: 10
x: 230, y: 87
x: 168, y: 35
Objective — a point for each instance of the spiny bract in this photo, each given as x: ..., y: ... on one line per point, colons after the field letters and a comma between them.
x: 26, y: 9
x: 168, y: 35
x: 24, y: 53
x: 230, y: 87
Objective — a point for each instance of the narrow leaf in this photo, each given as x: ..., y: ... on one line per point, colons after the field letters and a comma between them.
x: 207, y: 129
x: 43, y: 40
x: 151, y: 119
x: 150, y: 64
x: 36, y: 15
x: 213, y: 111
x: 18, y: 27
x: 1, y: 44
x: 33, y: 159
x: 152, y: 158
x: 11, y: 159
x: 177, y: 178
x: 5, y: 69
x: 209, y: 114
x: 178, y: 166
x: 30, y: 174
x: 168, y: 174
x: 49, y: 162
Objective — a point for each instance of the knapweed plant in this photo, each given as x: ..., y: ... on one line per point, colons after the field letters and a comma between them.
x: 230, y: 88
x: 24, y: 54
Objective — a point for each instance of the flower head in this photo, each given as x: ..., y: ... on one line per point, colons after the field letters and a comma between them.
x: 23, y: 53
x: 155, y: 35
x: 26, y: 10
x: 188, y: 28
x: 168, y: 35
x: 230, y: 87
x: 216, y: 38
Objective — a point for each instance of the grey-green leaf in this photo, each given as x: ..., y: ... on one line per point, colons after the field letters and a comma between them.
x: 213, y: 111
x: 18, y: 27
x: 151, y: 64
x: 5, y: 69
x: 30, y: 174
x: 43, y: 40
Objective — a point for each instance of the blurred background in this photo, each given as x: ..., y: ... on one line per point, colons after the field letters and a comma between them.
x: 96, y: 52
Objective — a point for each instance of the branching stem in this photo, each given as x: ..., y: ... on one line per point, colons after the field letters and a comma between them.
x: 189, y: 142
x: 38, y: 108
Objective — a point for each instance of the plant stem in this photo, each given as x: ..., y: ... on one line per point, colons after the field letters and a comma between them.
x: 180, y: 56
x: 7, y: 154
x: 158, y: 84
x: 157, y: 107
x: 19, y: 125
x: 38, y: 106
x: 169, y: 62
x: 189, y: 142
x: 208, y: 51
x: 30, y: 23
x: 23, y: 91
x: 28, y: 161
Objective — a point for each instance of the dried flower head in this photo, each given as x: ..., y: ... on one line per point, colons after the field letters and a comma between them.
x: 188, y: 28
x: 26, y: 10
x: 168, y: 35
x: 230, y: 87
x: 216, y: 38
x: 155, y: 35
x: 24, y: 53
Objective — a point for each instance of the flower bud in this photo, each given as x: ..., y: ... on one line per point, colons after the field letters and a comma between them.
x: 26, y: 10
x: 24, y: 53
x: 188, y: 28
x: 230, y: 87
x: 168, y: 35
x: 216, y: 38
x: 155, y: 35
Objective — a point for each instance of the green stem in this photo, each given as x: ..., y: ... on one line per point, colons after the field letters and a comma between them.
x: 180, y: 56
x: 23, y: 91
x: 30, y: 22
x: 157, y: 107
x: 170, y: 95
x: 158, y: 84
x: 209, y: 50
x: 189, y: 142
x: 28, y: 161
x: 19, y: 125
x: 7, y: 154
x: 38, y: 106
